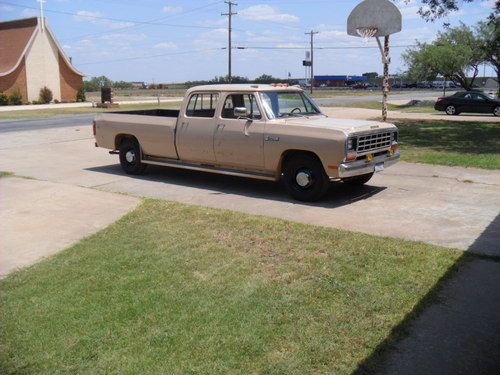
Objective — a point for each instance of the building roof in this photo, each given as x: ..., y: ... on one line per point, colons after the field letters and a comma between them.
x: 243, y: 88
x: 16, y: 37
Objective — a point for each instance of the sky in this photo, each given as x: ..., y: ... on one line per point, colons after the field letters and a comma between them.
x: 177, y: 41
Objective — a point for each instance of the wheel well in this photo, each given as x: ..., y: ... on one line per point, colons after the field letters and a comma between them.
x: 285, y: 156
x: 121, y: 137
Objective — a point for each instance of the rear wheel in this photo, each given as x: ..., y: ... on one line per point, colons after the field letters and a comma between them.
x: 130, y: 157
x: 304, y: 178
x: 451, y: 110
x: 496, y: 111
x: 357, y: 180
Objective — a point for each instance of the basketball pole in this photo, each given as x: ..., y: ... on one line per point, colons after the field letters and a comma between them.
x: 385, y: 85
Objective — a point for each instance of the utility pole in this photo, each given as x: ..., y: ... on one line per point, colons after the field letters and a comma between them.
x: 312, y: 33
x: 230, y: 14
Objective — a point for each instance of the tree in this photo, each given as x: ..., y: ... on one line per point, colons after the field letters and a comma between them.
x: 453, y: 54
x: 95, y: 83
x: 488, y: 35
x: 434, y: 9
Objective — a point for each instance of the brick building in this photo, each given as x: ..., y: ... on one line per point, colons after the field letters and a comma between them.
x: 31, y: 58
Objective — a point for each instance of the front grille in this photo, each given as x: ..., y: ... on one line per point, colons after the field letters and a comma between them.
x: 375, y: 141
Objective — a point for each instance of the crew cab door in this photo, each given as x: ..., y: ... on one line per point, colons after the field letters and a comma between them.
x: 195, y: 129
x: 239, y: 142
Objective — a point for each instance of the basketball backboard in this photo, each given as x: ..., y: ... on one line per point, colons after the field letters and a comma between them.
x: 374, y: 18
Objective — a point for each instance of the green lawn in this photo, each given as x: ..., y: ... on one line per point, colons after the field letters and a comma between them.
x: 453, y: 143
x: 5, y: 174
x: 40, y: 113
x: 375, y: 104
x: 177, y: 289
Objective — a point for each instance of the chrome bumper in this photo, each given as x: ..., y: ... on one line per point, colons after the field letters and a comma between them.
x: 360, y: 167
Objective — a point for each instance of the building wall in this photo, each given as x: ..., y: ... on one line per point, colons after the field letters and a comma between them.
x: 42, y: 67
x: 70, y: 81
x: 16, y: 79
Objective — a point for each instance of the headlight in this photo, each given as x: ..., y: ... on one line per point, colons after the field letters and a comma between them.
x: 351, y: 144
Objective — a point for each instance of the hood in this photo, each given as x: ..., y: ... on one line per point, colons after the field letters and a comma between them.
x: 346, y: 125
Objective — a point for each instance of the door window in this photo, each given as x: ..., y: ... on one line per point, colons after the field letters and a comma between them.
x: 241, y: 100
x: 202, y: 105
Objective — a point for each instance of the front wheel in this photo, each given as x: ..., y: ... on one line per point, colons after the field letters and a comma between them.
x: 451, y: 110
x: 304, y: 178
x: 496, y: 111
x: 130, y: 157
x: 357, y: 180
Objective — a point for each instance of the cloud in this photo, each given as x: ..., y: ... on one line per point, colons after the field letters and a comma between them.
x: 165, y: 45
x: 264, y: 12
x: 6, y: 8
x: 172, y: 9
x: 99, y: 19
x: 125, y: 37
x: 27, y: 13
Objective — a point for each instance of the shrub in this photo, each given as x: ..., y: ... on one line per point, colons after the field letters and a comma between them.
x: 16, y: 97
x: 80, y: 95
x: 45, y: 95
x: 36, y: 102
x: 4, y: 99
x: 56, y: 101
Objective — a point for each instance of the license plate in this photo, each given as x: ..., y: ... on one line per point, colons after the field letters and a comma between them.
x: 379, y: 167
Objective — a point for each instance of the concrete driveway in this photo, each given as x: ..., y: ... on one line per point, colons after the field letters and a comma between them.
x: 439, y: 205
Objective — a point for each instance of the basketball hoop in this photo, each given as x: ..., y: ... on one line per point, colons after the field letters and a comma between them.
x: 366, y: 33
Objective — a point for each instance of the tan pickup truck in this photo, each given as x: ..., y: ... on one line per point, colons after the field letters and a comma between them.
x: 266, y: 132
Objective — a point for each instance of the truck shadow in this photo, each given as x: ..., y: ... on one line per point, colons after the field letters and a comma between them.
x: 455, y: 328
x: 337, y: 196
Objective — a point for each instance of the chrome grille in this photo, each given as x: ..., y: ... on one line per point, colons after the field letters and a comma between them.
x: 375, y: 141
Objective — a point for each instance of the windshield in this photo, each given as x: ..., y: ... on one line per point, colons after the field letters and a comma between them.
x: 287, y: 104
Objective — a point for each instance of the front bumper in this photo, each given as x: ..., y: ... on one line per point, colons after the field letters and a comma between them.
x: 361, y: 167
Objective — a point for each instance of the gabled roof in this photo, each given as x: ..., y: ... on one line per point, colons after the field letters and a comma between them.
x: 16, y: 38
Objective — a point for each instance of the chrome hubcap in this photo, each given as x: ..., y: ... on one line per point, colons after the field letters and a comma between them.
x: 497, y: 111
x: 130, y: 156
x: 450, y: 110
x: 303, y: 179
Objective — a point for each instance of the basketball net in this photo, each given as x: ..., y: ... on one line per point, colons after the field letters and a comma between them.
x: 366, y: 33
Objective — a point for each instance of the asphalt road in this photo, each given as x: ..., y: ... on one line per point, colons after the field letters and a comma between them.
x: 411, y: 95
x: 7, y: 126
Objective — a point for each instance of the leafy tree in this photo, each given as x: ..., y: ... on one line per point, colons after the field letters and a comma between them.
x: 434, y: 9
x: 122, y: 85
x: 453, y: 54
x: 488, y: 35
x: 95, y: 83
x: 265, y: 78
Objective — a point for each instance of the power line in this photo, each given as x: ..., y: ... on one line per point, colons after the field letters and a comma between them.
x: 318, y: 48
x: 113, y: 19
x: 230, y: 15
x: 149, y: 56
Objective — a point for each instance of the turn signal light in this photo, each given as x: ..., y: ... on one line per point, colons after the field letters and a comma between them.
x: 351, y: 156
x: 394, y: 146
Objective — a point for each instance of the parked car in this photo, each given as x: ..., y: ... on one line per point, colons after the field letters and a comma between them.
x: 468, y: 101
x: 264, y: 132
x: 424, y: 85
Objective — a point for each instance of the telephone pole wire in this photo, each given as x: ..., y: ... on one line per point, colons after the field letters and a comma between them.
x: 230, y: 15
x: 312, y: 33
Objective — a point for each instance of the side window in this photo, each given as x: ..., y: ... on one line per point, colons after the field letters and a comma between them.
x: 241, y: 100
x: 478, y: 97
x: 202, y: 105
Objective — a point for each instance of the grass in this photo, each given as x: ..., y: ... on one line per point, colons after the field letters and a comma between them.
x: 375, y: 104
x: 5, y: 174
x: 43, y: 113
x: 452, y: 143
x: 177, y: 289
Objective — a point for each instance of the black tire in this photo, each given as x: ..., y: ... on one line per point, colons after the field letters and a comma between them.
x: 496, y: 111
x: 358, y: 180
x: 309, y: 171
x: 130, y: 157
x: 451, y: 110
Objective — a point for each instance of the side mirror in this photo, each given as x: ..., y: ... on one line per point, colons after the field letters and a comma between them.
x: 240, y: 112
